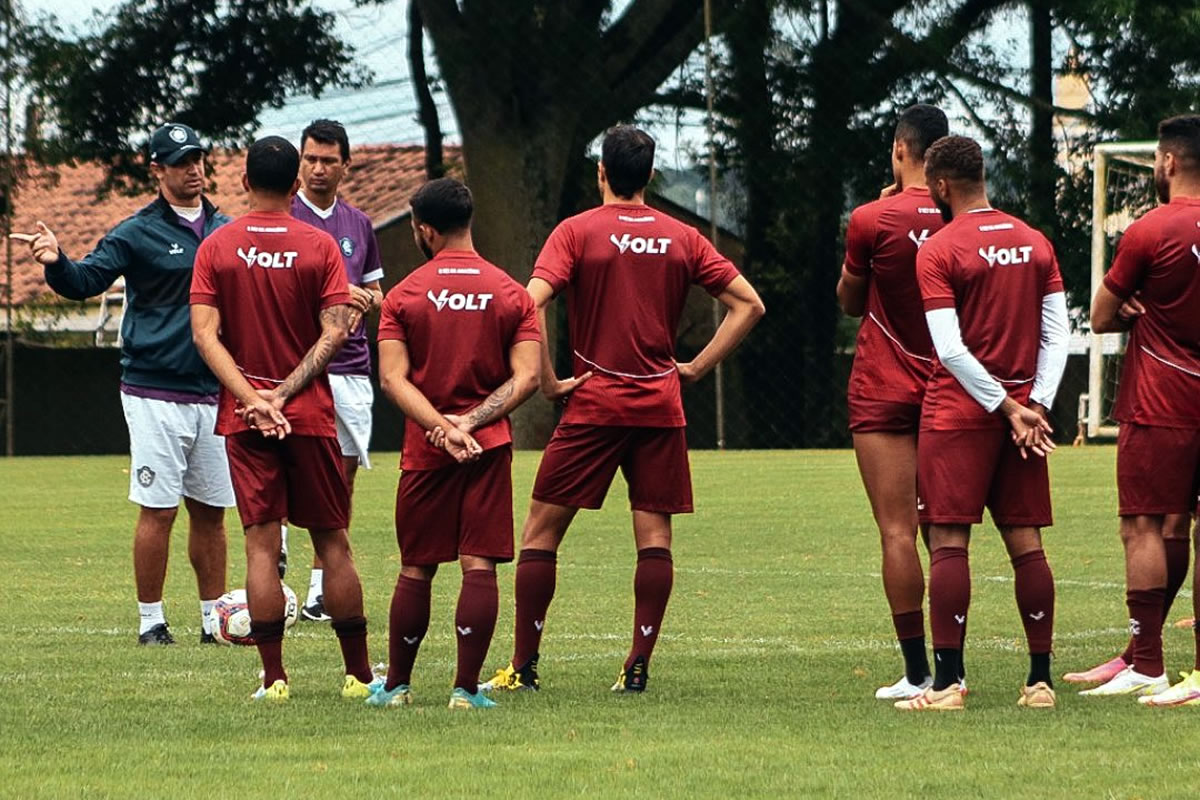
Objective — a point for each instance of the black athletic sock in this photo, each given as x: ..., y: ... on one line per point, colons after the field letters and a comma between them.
x: 1039, y: 669
x: 947, y: 668
x: 916, y: 660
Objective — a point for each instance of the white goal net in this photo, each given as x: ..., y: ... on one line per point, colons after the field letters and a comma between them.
x: 1122, y: 191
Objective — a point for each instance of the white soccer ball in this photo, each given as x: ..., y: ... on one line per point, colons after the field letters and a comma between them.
x: 232, y: 616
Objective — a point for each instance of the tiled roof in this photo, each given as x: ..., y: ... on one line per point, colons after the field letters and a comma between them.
x: 381, y: 180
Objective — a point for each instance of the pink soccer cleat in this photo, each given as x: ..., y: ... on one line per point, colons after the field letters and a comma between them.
x: 1099, y: 674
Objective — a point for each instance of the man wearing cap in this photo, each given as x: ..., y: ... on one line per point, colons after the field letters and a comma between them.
x: 168, y: 393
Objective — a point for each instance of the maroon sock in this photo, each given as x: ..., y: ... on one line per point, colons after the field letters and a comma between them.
x: 652, y: 581
x: 534, y: 589
x: 352, y: 636
x: 407, y: 624
x: 909, y: 625
x: 1145, y: 623
x: 949, y: 596
x: 1034, y: 586
x: 1179, y: 553
x: 475, y: 622
x: 268, y: 638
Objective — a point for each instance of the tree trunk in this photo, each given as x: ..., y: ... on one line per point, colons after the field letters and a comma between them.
x: 1042, y: 169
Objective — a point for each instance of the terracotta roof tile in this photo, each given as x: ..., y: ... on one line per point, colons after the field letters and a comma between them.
x: 380, y: 181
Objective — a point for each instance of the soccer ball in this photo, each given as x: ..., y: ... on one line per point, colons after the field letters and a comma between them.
x: 232, y: 616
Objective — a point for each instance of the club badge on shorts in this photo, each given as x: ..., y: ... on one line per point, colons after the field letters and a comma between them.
x: 347, y: 245
x: 145, y: 476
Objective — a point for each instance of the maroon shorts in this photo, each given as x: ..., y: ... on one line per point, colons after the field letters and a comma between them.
x: 580, y: 461
x: 1158, y: 470
x: 299, y: 478
x: 961, y: 472
x: 463, y: 509
x: 883, y: 416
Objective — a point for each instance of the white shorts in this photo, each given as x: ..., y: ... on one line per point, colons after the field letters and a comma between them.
x: 353, y: 398
x: 174, y: 453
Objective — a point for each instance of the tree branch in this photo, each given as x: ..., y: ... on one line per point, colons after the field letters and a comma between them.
x: 427, y: 111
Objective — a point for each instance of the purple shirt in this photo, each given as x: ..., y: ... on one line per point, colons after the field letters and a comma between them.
x: 355, y: 238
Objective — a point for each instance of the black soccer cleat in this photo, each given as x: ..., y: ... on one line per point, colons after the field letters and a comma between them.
x: 316, y: 611
x: 633, y: 679
x: 207, y: 638
x: 157, y: 635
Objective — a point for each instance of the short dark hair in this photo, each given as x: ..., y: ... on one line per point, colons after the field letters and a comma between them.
x: 327, y: 131
x: 627, y: 154
x: 921, y: 125
x: 955, y: 158
x: 272, y: 164
x: 444, y: 204
x: 1180, y: 136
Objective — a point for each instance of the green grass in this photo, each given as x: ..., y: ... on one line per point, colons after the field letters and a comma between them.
x: 776, y: 637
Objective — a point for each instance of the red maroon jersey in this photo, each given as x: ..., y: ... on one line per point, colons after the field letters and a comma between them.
x: 1160, y: 374
x: 270, y: 276
x: 627, y: 270
x: 893, y: 355
x: 459, y: 317
x: 994, y: 270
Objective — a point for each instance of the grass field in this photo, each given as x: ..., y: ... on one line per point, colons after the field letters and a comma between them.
x: 762, y: 684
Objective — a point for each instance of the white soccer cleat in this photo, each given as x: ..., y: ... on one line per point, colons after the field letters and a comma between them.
x: 903, y: 689
x: 1130, y: 682
x: 1184, y: 693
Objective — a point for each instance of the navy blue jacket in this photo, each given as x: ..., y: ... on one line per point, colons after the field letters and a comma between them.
x: 155, y: 252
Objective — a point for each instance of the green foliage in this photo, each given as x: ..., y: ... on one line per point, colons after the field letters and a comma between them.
x: 761, y: 686
x: 211, y: 64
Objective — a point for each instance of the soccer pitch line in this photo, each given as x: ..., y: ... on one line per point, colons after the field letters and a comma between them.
x: 789, y: 573
x: 715, y: 645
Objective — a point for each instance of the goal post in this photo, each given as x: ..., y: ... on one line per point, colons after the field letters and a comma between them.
x: 1122, y: 190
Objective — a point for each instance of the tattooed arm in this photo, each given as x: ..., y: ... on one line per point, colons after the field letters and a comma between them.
x: 335, y: 328
x: 524, y: 360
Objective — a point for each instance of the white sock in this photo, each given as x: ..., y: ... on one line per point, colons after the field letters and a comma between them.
x: 283, y: 539
x: 316, y: 586
x: 151, y: 614
x: 207, y: 624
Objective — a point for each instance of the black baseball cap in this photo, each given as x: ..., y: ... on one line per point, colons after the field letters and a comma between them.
x: 172, y: 142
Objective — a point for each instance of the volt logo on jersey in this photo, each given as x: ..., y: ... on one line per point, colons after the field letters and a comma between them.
x: 919, y: 239
x: 1005, y: 256
x: 266, y: 260
x: 175, y: 249
x: 640, y: 244
x: 459, y: 301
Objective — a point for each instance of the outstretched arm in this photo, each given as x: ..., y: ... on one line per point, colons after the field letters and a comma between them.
x: 745, y: 309
x: 394, y: 367
x: 77, y: 280
x: 260, y: 413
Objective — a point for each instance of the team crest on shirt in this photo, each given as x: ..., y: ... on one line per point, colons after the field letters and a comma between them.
x: 145, y: 476
x: 347, y: 245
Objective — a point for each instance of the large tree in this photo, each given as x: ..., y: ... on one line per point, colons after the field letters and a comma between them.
x: 532, y: 83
